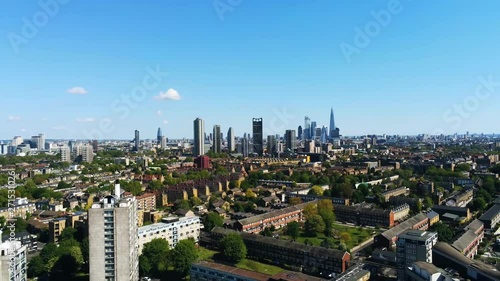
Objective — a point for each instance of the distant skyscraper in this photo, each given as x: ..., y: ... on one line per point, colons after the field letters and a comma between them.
x: 332, y: 124
x: 306, y: 134
x: 163, y: 143
x: 39, y: 141
x: 231, y: 145
x: 137, y: 140
x: 313, y: 130
x: 158, y: 136
x: 299, y: 131
x: 258, y: 146
x: 324, y: 134
x: 271, y: 144
x: 217, y: 141
x: 199, y: 133
x: 245, y: 147
x: 290, y: 140
x: 113, y: 238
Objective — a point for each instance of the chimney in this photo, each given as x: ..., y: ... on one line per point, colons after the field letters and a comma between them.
x: 117, y: 189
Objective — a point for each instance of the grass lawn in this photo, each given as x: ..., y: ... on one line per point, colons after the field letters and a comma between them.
x: 208, y: 255
x: 259, y: 267
x: 205, y: 254
x: 358, y: 236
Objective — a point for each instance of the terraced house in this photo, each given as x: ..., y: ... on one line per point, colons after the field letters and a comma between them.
x: 309, y: 259
x: 278, y: 219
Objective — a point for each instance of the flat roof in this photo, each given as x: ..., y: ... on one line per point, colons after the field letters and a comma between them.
x: 232, y: 270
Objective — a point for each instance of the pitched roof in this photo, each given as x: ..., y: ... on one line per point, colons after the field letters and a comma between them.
x: 311, y: 250
x: 402, y: 227
x: 464, y: 241
x: 491, y: 213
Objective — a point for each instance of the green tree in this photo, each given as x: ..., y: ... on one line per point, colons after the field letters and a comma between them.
x: 48, y: 252
x: 328, y: 243
x: 212, y: 220
x: 183, y: 256
x: 37, y: 267
x: 314, y: 226
x: 67, y: 233
x: 445, y: 233
x: 310, y: 210
x: 316, y: 190
x: 144, y: 266
x: 68, y: 264
x: 266, y: 232
x: 155, y: 185
x: 479, y: 204
x: 154, y: 258
x: 21, y: 225
x: 294, y: 201
x: 233, y: 248
x: 293, y: 230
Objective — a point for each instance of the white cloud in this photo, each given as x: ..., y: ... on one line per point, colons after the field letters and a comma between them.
x: 85, y: 120
x: 14, y: 118
x: 77, y: 91
x: 170, y: 94
x: 23, y: 130
x: 45, y: 119
x: 165, y: 121
x: 59, y: 128
x: 159, y: 113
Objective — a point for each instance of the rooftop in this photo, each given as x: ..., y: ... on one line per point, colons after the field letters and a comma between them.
x: 402, y: 227
x: 419, y: 235
x: 312, y: 250
x: 464, y: 241
x: 491, y: 213
x: 232, y: 270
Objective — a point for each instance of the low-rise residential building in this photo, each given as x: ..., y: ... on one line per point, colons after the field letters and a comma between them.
x: 309, y: 259
x: 400, y: 191
x: 56, y: 227
x: 27, y: 239
x: 433, y: 218
x: 205, y: 271
x: 462, y: 213
x: 469, y: 241
x: 461, y: 199
x: 146, y: 201
x: 22, y: 207
x: 277, y: 218
x: 361, y: 215
x: 172, y: 229
x: 491, y: 217
x: 308, y: 198
x: 401, y: 212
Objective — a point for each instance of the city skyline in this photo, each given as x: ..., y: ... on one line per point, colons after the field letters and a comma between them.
x: 409, y: 78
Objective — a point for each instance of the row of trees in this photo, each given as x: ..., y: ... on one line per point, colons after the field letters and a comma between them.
x: 159, y: 261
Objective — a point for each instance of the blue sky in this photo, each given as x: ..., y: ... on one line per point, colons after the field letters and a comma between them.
x: 280, y: 60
